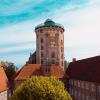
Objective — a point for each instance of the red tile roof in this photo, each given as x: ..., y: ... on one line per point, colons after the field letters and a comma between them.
x: 57, y: 71
x: 37, y: 69
x: 3, y: 80
x: 86, y: 69
x: 29, y: 70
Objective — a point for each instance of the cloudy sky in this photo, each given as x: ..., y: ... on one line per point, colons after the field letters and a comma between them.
x: 18, y: 18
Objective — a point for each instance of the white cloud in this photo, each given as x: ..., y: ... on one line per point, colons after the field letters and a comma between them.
x: 17, y: 48
x: 14, y: 7
x: 82, y: 25
x: 82, y: 31
x: 23, y: 32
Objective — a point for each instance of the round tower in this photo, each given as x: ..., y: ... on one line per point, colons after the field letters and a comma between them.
x: 50, y: 43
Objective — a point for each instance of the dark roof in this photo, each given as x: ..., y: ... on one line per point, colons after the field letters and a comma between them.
x: 32, y: 58
x: 49, y: 23
x: 86, y: 69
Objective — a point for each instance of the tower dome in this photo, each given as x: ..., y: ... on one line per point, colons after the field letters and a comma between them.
x: 49, y: 23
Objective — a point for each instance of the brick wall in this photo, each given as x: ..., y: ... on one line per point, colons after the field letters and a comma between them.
x: 52, y: 43
x: 83, y: 90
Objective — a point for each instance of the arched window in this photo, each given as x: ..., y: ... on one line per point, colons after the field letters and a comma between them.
x: 37, y: 35
x: 62, y: 63
x: 61, y: 32
x: 53, y: 54
x: 53, y: 62
x: 42, y: 61
x: 61, y: 42
x: 42, y: 47
x: 42, y: 55
x: 62, y: 56
x: 46, y: 35
x: 61, y: 49
x: 41, y: 30
x: 41, y: 40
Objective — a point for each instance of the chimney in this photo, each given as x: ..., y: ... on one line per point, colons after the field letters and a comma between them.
x: 74, y: 59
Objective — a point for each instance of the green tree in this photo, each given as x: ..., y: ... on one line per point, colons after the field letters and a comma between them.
x: 10, y: 69
x: 41, y: 88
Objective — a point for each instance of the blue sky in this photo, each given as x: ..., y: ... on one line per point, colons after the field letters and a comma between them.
x: 18, y: 18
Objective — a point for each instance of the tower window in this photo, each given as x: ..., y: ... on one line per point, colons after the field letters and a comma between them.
x: 57, y: 34
x: 37, y: 36
x: 53, y: 55
x: 61, y: 49
x: 42, y: 48
x: 53, y: 61
x: 41, y: 30
x: 41, y: 55
x: 46, y: 34
x: 47, y: 69
x: 62, y: 56
x: 57, y: 63
x: 41, y: 40
x: 61, y: 32
x: 41, y: 61
x: 62, y: 63
x: 61, y: 42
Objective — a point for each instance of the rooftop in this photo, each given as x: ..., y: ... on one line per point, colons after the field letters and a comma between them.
x: 49, y: 23
x: 86, y: 69
x: 3, y: 80
x: 30, y: 70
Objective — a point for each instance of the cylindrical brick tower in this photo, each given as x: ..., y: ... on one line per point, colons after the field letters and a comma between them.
x: 50, y: 43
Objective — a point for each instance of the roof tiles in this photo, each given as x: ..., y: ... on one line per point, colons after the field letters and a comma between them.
x: 29, y: 70
x: 3, y: 80
x: 38, y: 69
x: 86, y: 69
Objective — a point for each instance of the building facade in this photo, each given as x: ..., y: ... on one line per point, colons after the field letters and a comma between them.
x: 84, y: 90
x: 84, y: 79
x: 50, y: 43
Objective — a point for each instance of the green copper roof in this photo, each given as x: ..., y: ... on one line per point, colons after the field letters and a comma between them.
x: 49, y: 23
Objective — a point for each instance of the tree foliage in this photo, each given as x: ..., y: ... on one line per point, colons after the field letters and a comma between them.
x: 9, y: 68
x: 41, y: 88
x: 10, y: 71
